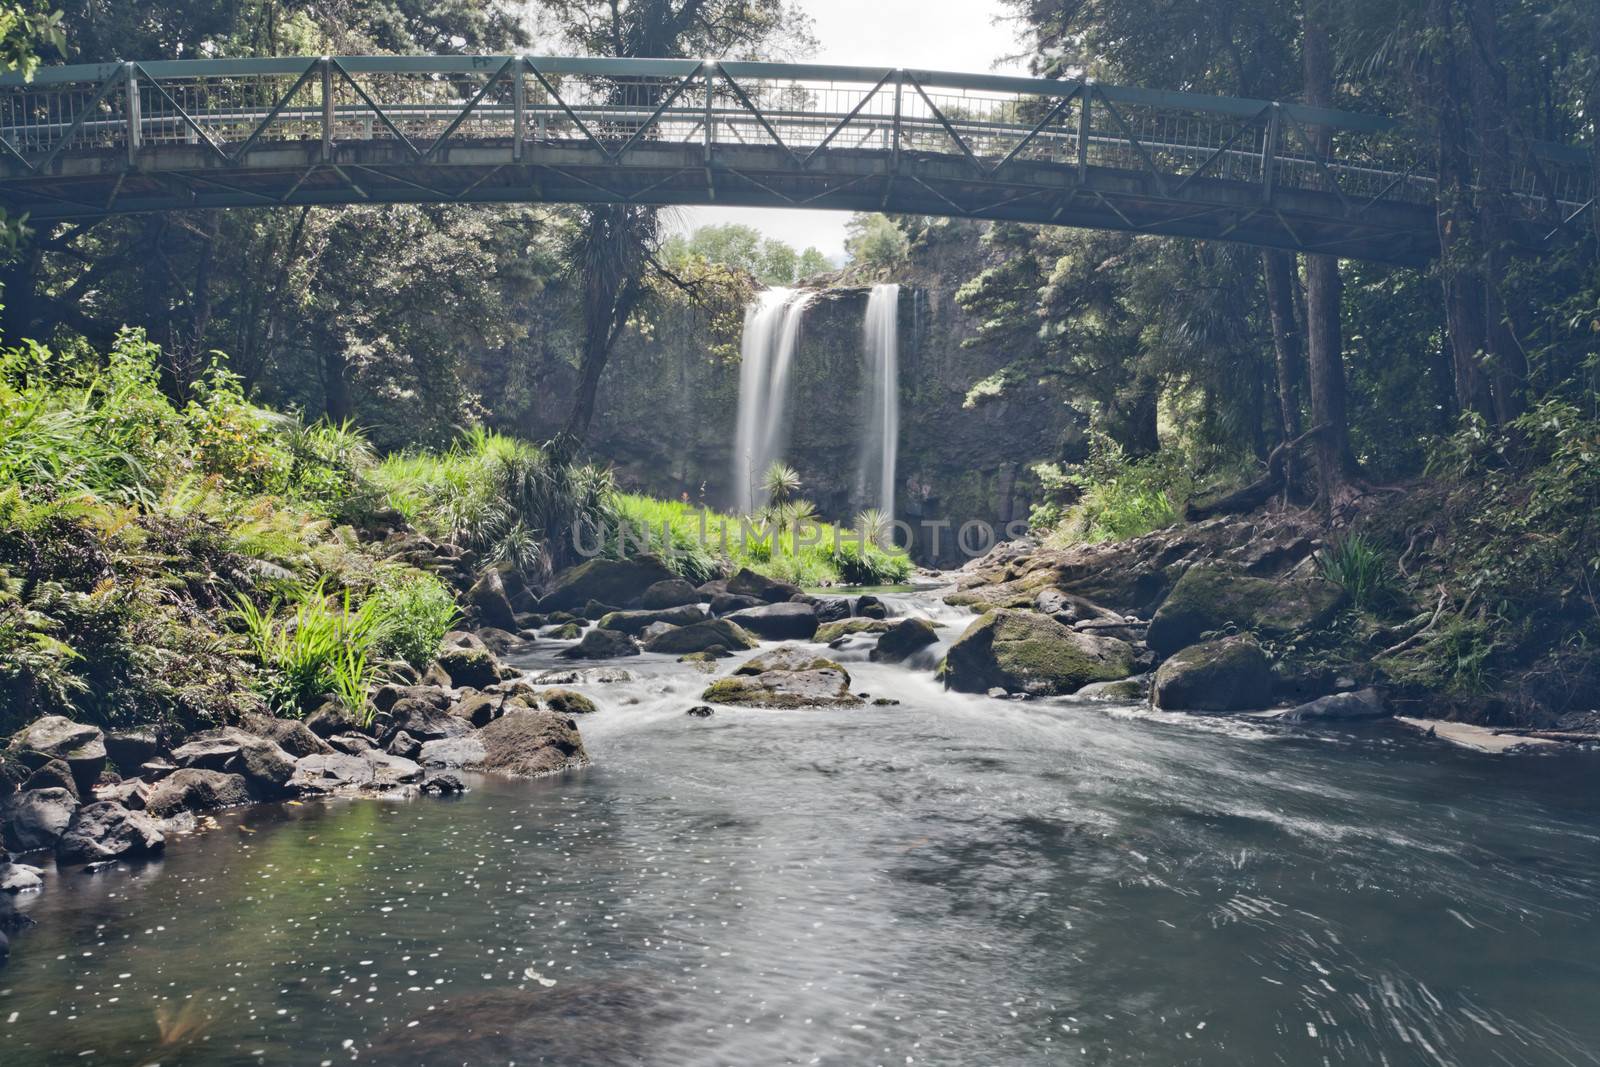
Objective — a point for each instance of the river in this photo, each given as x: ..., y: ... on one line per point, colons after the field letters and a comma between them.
x: 950, y: 880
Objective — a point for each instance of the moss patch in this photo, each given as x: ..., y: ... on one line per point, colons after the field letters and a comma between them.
x: 1021, y: 651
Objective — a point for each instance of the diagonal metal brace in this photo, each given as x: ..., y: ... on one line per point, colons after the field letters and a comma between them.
x: 277, y: 109
x: 571, y: 114
x: 966, y: 150
x: 1049, y: 117
x: 1264, y: 114
x: 1328, y: 176
x: 462, y: 116
x: 1138, y: 145
x: 837, y: 130
x: 671, y: 97
x: 383, y: 116
x: 765, y: 125
x: 72, y: 131
x: 188, y: 120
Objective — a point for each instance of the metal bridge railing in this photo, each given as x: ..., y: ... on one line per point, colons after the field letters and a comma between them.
x: 232, y: 108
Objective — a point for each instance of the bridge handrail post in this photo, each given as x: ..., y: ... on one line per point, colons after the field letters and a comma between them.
x: 710, y: 70
x: 1085, y: 103
x: 519, y: 108
x: 899, y: 96
x: 327, y: 109
x: 1269, y: 151
x: 130, y: 104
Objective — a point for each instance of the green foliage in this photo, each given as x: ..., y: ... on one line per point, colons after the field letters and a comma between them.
x: 323, y: 647
x: 875, y: 244
x: 413, y: 613
x: 743, y: 248
x: 1110, y: 496
x: 1355, y: 563
x: 781, y: 483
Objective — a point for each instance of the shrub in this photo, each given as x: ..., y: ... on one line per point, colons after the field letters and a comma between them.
x: 414, y: 611
x: 1354, y: 562
x: 323, y: 647
x: 1115, y: 497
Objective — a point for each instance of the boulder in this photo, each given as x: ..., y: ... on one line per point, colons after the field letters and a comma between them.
x: 489, y: 602
x: 265, y: 766
x: 295, y: 738
x: 405, y: 746
x: 1128, y: 690
x: 612, y: 581
x: 595, y: 610
x: 12, y: 775
x: 53, y: 775
x: 36, y: 819
x: 474, y: 668
x: 672, y: 593
x: 700, y: 711
x: 81, y: 747
x: 377, y: 771
x: 130, y: 747
x: 452, y: 752
x: 353, y: 744
x: 786, y: 677
x: 701, y: 636
x: 462, y: 639
x: 769, y: 590
x: 194, y: 789
x: 601, y: 643
x: 444, y: 785
x: 1211, y: 597
x: 828, y: 633
x: 480, y: 709
x: 499, y: 641
x: 1228, y: 675
x: 870, y: 607
x: 1067, y: 608
x: 1362, y: 704
x: 1024, y: 652
x: 566, y: 702
x: 830, y: 608
x: 583, y: 676
x: 332, y: 718
x: 779, y: 622
x: 567, y: 631
x: 903, y: 638
x: 527, y: 744
x: 19, y: 878
x: 636, y: 622
x: 105, y: 831
x: 425, y: 722
x: 727, y: 603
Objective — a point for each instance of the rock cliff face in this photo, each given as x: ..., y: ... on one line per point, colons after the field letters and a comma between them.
x: 667, y: 407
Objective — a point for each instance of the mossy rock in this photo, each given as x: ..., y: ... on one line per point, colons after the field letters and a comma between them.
x: 636, y: 622
x: 790, y: 658
x: 473, y: 667
x: 1127, y: 690
x: 567, y: 702
x: 784, y: 689
x: 609, y: 581
x: 830, y: 632
x: 567, y: 631
x: 902, y: 639
x: 701, y: 636
x: 1228, y: 675
x: 1210, y: 597
x: 1024, y: 652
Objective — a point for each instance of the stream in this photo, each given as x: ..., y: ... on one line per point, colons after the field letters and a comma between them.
x: 951, y: 880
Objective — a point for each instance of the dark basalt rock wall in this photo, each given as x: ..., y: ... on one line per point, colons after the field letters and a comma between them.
x: 667, y: 407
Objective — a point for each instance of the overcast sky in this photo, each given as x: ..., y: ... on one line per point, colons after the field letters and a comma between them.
x: 957, y: 35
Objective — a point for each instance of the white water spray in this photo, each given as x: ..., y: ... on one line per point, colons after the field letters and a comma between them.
x: 880, y: 433
x: 766, y: 353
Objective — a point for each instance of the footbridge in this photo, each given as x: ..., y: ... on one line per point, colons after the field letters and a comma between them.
x: 80, y: 142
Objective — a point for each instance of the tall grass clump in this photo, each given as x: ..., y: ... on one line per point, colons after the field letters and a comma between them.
x: 414, y: 611
x: 1110, y: 496
x: 320, y: 645
x: 1355, y: 563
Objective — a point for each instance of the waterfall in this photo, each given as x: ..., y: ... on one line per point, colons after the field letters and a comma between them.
x: 771, y: 332
x: 880, y: 436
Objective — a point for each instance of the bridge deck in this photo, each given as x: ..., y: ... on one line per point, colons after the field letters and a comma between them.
x: 90, y: 141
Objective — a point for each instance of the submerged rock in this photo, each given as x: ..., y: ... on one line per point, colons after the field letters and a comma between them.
x: 566, y: 702
x: 1209, y: 598
x: 601, y: 643
x: 700, y: 711
x: 779, y: 622
x: 106, y: 830
x: 1024, y: 652
x: 1228, y: 675
x: 19, y: 877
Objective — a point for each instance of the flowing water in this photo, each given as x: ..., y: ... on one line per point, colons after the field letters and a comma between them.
x: 951, y: 880
x: 880, y: 437
x: 766, y: 357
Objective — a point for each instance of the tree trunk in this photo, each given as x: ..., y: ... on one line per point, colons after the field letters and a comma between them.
x: 1325, y: 358
x: 612, y: 253
x: 336, y: 402
x: 1277, y: 269
x: 20, y: 292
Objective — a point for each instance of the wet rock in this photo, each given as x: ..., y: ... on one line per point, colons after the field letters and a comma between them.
x: 55, y: 737
x: 870, y: 607
x: 19, y: 877
x: 1127, y: 690
x: 105, y: 831
x: 610, y: 581
x: 786, y: 677
x: 1021, y: 651
x: 481, y: 709
x: 528, y: 744
x: 636, y: 622
x: 374, y: 771
x: 706, y: 658
x: 828, y: 633
x: 195, y: 789
x: 700, y: 711
x: 830, y: 608
x: 1211, y: 597
x: 489, y: 601
x: 902, y: 639
x: 444, y: 785
x: 582, y: 676
x: 595, y: 610
x: 566, y: 702
x: 53, y: 775
x: 462, y: 639
x: 453, y: 752
x: 404, y: 745
x: 1066, y: 608
x: 500, y: 641
x: 425, y: 722
x: 672, y: 593
x: 701, y: 636
x: 567, y: 631
x: 332, y: 718
x: 1362, y: 704
x: 353, y: 744
x: 295, y: 738
x: 602, y: 644
x: 778, y: 622
x: 36, y: 819
x: 885, y: 702
x: 471, y: 667
x: 1228, y: 675
x: 769, y: 590
x: 128, y: 748
x: 728, y: 603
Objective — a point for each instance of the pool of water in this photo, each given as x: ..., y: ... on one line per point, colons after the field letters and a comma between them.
x: 953, y: 880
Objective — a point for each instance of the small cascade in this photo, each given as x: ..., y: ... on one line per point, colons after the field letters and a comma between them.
x: 766, y: 352
x: 880, y: 431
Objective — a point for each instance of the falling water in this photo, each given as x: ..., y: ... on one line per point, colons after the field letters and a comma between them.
x: 771, y: 332
x: 881, y: 431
